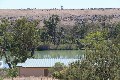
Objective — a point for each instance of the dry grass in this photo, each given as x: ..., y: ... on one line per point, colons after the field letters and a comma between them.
x: 40, y: 12
x: 31, y: 78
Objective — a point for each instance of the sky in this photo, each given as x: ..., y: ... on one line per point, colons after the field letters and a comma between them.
x: 50, y: 4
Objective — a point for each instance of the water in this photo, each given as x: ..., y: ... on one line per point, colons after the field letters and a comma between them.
x: 63, y: 54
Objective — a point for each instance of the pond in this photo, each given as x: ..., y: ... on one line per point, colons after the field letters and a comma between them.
x: 62, y: 54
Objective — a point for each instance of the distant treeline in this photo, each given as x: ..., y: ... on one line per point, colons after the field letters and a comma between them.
x: 53, y: 36
x: 23, y: 36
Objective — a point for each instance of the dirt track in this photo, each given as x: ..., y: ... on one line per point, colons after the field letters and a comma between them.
x: 32, y: 78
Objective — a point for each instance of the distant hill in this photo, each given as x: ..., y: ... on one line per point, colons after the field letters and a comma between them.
x: 67, y: 16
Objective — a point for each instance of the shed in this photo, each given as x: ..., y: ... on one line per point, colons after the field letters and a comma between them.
x: 39, y: 67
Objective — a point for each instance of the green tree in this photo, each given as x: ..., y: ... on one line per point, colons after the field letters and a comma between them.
x: 101, y: 60
x: 44, y: 37
x: 12, y: 73
x: 51, y: 25
x: 5, y: 39
x: 56, y: 70
x: 19, y: 39
x: 114, y: 31
x: 79, y: 30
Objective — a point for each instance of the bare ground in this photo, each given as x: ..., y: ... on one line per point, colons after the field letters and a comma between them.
x: 33, y: 12
x: 31, y: 78
x: 65, y: 15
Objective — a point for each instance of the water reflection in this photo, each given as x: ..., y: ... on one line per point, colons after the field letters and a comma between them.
x: 62, y: 54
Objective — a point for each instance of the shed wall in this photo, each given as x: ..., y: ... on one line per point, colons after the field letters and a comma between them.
x: 31, y: 71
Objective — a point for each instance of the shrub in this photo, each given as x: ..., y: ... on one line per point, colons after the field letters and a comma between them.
x: 12, y: 73
x: 56, y: 70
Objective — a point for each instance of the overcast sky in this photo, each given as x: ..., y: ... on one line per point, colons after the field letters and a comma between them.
x: 67, y: 4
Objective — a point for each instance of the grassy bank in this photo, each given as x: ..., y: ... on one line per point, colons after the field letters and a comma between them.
x: 58, y: 47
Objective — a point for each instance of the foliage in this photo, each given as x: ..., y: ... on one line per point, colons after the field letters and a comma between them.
x: 51, y: 25
x: 102, y: 45
x: 79, y: 30
x: 5, y: 73
x: 56, y: 70
x: 1, y: 78
x: 63, y: 47
x: 19, y: 38
x: 101, y: 61
x: 12, y: 72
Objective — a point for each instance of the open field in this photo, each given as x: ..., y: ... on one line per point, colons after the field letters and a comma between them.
x: 67, y: 16
x: 35, y: 12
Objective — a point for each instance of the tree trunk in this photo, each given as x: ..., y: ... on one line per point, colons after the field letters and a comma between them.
x: 12, y: 78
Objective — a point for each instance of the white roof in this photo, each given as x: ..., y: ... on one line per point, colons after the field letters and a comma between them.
x: 45, y: 62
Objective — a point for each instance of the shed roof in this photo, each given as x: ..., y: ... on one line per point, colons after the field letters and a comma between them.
x: 45, y: 62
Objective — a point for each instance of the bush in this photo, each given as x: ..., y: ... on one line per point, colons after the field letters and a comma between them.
x: 67, y: 47
x: 50, y: 46
x: 101, y: 61
x: 57, y: 75
x: 1, y: 78
x: 56, y: 70
x: 57, y: 47
x: 12, y: 72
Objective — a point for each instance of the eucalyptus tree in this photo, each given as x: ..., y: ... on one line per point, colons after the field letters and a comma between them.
x: 79, y: 30
x: 51, y: 26
x: 19, y: 40
x: 5, y: 39
x: 44, y: 36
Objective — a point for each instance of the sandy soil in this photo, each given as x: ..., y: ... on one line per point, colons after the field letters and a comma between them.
x: 32, y: 78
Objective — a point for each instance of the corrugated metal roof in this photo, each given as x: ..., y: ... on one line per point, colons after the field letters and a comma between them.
x: 45, y: 62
